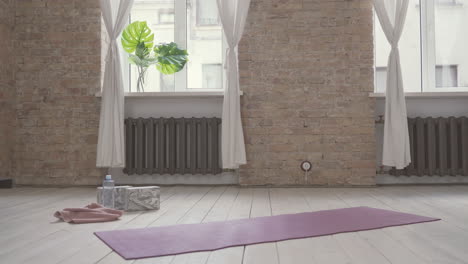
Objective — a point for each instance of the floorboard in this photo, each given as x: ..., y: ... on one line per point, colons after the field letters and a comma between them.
x: 261, y: 253
x: 30, y: 234
x: 289, y: 201
x: 241, y: 208
x: 172, y: 216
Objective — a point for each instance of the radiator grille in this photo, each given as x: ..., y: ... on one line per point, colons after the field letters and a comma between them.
x: 172, y: 145
x: 439, y: 146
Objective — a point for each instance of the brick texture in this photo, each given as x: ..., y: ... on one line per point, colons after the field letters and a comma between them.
x: 306, y: 69
x: 7, y: 89
x: 57, y: 47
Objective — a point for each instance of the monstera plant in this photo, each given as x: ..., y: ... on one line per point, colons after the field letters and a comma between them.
x: 137, y: 41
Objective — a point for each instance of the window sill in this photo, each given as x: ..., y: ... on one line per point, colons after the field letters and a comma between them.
x: 199, y: 94
x: 426, y: 95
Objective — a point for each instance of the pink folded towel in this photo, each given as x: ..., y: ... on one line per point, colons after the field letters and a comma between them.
x: 92, y: 213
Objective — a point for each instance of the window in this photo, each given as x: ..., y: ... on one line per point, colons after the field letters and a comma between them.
x: 166, y: 17
x: 207, y: 13
x: 448, y: 46
x: 432, y: 48
x: 192, y: 24
x: 410, y: 54
x: 211, y: 75
x: 166, y: 82
x: 204, y: 44
x: 380, y: 77
x: 448, y: 2
x: 446, y: 76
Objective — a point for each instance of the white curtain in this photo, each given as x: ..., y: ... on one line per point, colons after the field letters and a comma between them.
x: 111, y: 148
x: 396, y: 149
x: 233, y: 14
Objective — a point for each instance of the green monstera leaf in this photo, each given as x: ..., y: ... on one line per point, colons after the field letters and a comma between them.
x: 170, y: 59
x: 142, y: 51
x: 142, y: 56
x: 136, y: 33
x: 145, y: 62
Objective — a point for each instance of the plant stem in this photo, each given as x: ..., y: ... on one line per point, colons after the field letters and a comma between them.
x: 141, y: 79
x: 138, y: 79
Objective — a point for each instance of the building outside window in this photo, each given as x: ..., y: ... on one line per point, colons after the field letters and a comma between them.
x: 207, y: 13
x: 192, y: 24
x: 166, y: 17
x: 446, y: 76
x: 448, y: 2
x: 380, y: 78
x: 212, y: 75
x: 432, y: 48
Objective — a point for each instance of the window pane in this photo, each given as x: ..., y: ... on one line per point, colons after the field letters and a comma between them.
x: 410, y: 51
x: 167, y: 81
x: 451, y: 42
x: 447, y: 2
x: 380, y: 78
x: 212, y: 75
x: 446, y: 76
x: 159, y: 14
x: 204, y: 45
x: 166, y: 17
x: 207, y: 12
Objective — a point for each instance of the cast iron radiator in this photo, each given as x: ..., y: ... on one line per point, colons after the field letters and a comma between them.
x: 439, y: 146
x: 172, y: 145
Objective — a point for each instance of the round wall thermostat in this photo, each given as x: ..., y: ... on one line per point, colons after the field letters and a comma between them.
x: 306, y: 166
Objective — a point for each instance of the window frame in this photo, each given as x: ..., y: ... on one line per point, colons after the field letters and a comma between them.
x: 427, y: 48
x: 181, y: 32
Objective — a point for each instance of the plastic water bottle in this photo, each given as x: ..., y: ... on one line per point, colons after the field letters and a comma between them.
x: 108, y: 192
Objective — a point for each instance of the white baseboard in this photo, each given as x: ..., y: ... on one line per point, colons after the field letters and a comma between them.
x: 383, y: 179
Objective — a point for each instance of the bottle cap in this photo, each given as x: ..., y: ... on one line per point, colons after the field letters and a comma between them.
x: 108, y: 177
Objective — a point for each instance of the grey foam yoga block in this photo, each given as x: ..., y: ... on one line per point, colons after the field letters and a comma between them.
x: 119, y: 196
x: 130, y: 198
x: 142, y: 198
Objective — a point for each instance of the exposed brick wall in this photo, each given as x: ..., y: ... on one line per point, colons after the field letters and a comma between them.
x: 57, y: 47
x: 305, y: 66
x: 306, y: 69
x: 7, y: 89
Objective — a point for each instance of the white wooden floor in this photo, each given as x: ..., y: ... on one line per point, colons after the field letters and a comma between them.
x: 28, y: 233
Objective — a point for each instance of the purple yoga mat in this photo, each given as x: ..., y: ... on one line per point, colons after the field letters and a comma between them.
x: 177, y: 239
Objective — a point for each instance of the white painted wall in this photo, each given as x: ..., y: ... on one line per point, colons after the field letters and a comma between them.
x: 425, y: 107
x: 174, y: 107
